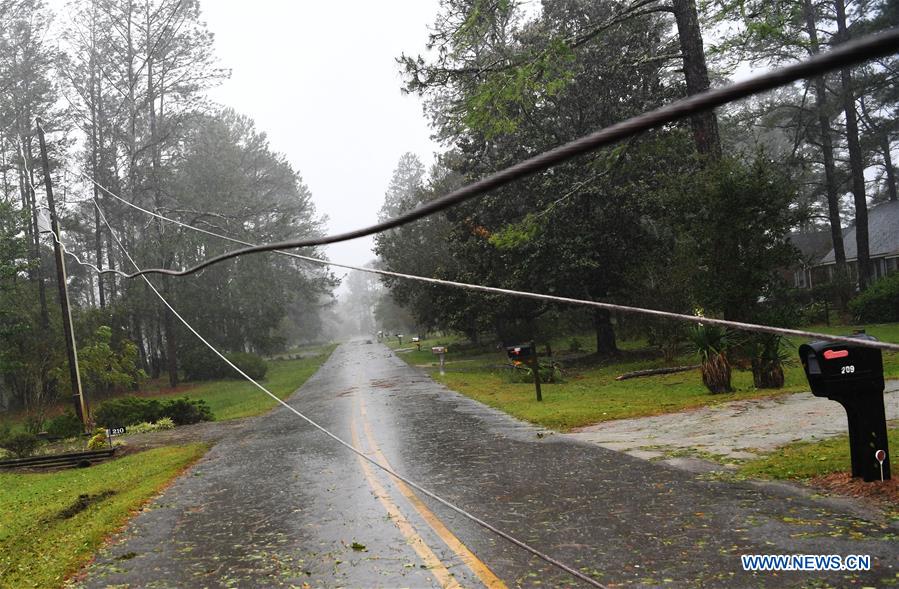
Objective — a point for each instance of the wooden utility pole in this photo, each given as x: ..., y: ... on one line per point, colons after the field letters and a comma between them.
x: 72, y: 353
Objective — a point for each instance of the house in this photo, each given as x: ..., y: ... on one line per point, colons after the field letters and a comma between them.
x: 883, y: 246
x: 812, y: 246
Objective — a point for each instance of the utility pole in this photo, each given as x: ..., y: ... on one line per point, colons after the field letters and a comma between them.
x: 72, y: 353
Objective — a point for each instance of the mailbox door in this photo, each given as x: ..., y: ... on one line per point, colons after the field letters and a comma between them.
x: 835, y: 369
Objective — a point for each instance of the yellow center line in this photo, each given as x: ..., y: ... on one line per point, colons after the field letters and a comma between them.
x: 437, y: 568
x: 477, y: 566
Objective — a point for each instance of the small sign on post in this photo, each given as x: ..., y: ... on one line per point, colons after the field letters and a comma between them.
x: 880, y: 455
x: 441, y: 352
x: 114, y: 431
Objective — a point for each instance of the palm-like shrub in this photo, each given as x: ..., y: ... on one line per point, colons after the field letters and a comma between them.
x: 710, y: 343
x: 768, y: 356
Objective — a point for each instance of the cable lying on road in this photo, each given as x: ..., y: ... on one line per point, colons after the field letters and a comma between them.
x: 531, y: 295
x: 862, y: 49
x: 560, y: 565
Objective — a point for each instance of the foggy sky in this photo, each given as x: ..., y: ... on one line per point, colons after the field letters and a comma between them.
x: 321, y: 80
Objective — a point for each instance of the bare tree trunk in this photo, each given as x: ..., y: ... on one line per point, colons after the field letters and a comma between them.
x: 110, y: 261
x: 888, y: 165
x: 696, y: 74
x: 32, y: 205
x: 830, y: 175
x: 883, y: 145
x: 169, y: 319
x: 171, y: 348
x: 141, y: 345
x: 98, y: 234
x: 605, y: 332
x: 856, y: 163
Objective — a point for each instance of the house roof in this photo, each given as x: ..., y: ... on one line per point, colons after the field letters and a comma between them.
x: 883, y: 234
x: 812, y: 245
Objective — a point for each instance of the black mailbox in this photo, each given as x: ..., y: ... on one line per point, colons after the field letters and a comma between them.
x: 522, y: 352
x: 853, y: 377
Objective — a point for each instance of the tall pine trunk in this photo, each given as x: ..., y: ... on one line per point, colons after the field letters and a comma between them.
x: 696, y: 74
x: 825, y: 134
x: 888, y: 165
x: 95, y: 121
x: 155, y: 151
x: 856, y: 163
x: 605, y: 333
x: 28, y: 174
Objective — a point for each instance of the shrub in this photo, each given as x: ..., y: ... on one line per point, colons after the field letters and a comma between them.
x: 880, y: 303
x: 98, y: 442
x: 185, y: 411
x: 130, y: 411
x: 204, y: 365
x: 20, y: 445
x: 253, y: 365
x: 549, y: 373
x: 34, y: 423
x: 769, y: 354
x: 66, y: 425
x: 163, y: 423
x: 126, y: 411
x: 141, y: 428
x: 710, y: 343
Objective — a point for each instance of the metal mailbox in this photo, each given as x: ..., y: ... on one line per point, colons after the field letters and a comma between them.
x: 437, y: 350
x: 521, y: 352
x: 853, y: 377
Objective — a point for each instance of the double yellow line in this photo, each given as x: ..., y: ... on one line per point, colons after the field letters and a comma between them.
x: 444, y: 577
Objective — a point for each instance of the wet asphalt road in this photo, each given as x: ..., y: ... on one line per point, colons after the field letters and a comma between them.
x: 279, y: 504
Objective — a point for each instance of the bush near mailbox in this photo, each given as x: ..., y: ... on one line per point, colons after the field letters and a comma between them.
x: 133, y: 410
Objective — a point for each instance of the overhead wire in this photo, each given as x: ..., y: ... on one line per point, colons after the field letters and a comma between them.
x: 697, y: 319
x: 547, y: 558
x: 868, y: 47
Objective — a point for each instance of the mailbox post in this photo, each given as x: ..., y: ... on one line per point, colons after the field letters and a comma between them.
x: 853, y: 377
x: 527, y: 354
x: 440, y: 351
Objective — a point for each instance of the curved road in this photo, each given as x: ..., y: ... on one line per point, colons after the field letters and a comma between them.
x: 278, y: 504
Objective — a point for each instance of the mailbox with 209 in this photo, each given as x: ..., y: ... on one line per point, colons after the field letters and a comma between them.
x: 853, y: 377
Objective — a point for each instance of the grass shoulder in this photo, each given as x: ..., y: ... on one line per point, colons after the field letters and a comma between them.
x: 54, y: 522
x: 807, y: 460
x: 589, y: 392
x: 234, y: 399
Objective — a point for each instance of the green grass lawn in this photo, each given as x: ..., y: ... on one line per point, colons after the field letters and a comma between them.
x: 804, y: 460
x: 233, y: 399
x: 591, y: 394
x: 40, y: 544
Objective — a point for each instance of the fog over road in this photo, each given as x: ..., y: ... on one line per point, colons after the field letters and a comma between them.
x: 279, y: 504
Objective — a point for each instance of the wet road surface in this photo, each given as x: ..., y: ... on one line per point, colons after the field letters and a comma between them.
x: 279, y: 504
